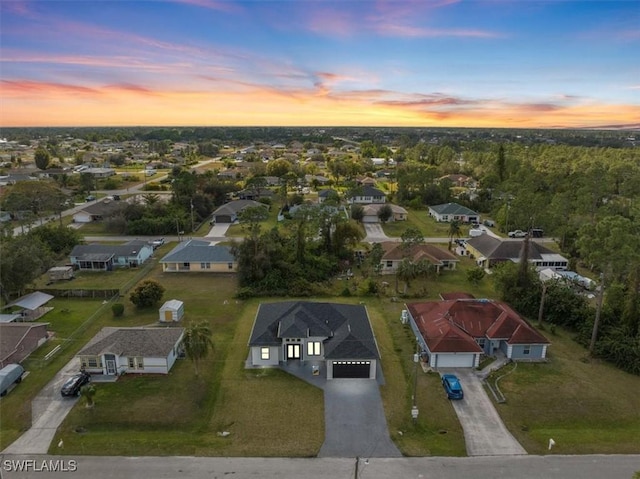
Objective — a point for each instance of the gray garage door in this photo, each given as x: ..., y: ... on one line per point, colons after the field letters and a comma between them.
x: 351, y: 369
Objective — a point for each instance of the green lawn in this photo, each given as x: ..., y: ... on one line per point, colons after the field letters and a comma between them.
x: 587, y: 407
x: 420, y: 220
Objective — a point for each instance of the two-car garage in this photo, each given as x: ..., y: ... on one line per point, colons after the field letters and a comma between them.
x: 365, y: 369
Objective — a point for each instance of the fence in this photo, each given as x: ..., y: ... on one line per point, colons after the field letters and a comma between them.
x: 81, y: 293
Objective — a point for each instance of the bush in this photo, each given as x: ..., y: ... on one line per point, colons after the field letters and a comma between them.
x: 117, y: 309
x: 147, y: 294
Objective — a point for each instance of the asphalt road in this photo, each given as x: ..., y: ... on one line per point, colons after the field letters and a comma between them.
x: 490, y: 467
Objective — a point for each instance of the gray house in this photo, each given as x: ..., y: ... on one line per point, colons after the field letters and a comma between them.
x: 337, y: 335
x: 457, y: 332
x: 489, y: 251
x: 367, y: 195
x: 98, y: 257
x: 114, y: 351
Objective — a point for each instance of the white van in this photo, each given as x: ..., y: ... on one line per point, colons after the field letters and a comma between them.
x: 474, y: 232
x: 9, y: 375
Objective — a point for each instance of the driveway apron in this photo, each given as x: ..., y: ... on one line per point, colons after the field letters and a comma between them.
x: 355, y: 424
x: 484, y: 432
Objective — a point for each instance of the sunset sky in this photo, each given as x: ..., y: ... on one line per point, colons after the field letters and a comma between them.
x: 498, y: 63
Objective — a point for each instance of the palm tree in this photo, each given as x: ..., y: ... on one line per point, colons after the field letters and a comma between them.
x: 197, y: 342
x: 454, y: 231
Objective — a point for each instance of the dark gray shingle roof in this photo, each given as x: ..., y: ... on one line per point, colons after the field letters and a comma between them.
x: 452, y: 209
x: 346, y: 327
x: 102, y: 252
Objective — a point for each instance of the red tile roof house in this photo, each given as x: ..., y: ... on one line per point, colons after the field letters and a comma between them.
x: 456, y: 333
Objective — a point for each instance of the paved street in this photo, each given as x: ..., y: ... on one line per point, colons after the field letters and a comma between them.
x: 491, y: 467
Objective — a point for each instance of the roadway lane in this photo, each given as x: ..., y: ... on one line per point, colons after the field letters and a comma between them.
x: 490, y: 467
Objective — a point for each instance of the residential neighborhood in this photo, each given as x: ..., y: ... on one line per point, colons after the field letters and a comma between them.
x: 293, y: 282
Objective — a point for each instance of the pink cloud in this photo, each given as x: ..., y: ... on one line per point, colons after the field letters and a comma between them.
x: 29, y: 87
x: 223, y: 6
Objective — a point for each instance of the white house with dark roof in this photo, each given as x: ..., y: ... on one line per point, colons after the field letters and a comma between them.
x: 489, y: 251
x: 115, y: 351
x: 449, y: 212
x: 98, y: 211
x: 337, y: 335
x: 99, y: 257
x: 367, y: 195
x: 199, y: 256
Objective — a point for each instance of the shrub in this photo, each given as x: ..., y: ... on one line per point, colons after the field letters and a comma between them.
x: 117, y: 309
x: 147, y: 294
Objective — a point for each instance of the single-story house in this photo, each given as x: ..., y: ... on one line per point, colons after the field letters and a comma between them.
x: 365, y: 181
x: 255, y: 193
x: 367, y: 195
x: 115, y: 351
x: 449, y: 212
x: 100, y: 172
x: 394, y: 254
x: 489, y: 251
x: 459, y: 180
x: 317, y: 179
x: 570, y: 278
x: 99, y: 257
x: 229, y: 212
x: 97, y: 211
x: 198, y: 255
x: 30, y: 306
x: 171, y: 311
x: 370, y: 213
x: 323, y: 195
x: 456, y: 333
x: 338, y: 335
x: 19, y: 340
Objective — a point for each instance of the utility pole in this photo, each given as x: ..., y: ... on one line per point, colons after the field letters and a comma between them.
x: 541, y: 309
x: 192, y: 227
x: 596, y: 322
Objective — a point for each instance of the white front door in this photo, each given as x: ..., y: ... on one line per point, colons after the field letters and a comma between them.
x: 111, y: 366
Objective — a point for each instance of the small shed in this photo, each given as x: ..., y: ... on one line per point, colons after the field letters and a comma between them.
x: 58, y: 273
x: 171, y: 311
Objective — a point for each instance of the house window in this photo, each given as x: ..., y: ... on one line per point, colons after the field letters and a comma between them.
x: 389, y: 264
x: 205, y: 265
x: 186, y: 265
x: 136, y: 363
x: 132, y: 363
x: 264, y: 353
x: 527, y: 350
x: 230, y: 265
x: 313, y: 348
x: 92, y: 362
x: 481, y: 342
x: 445, y: 217
x: 140, y: 363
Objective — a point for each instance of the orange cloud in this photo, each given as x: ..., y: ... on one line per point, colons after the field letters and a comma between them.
x: 29, y: 103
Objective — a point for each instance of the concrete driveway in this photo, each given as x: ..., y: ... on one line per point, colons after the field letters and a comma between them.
x: 375, y: 233
x: 484, y: 432
x: 354, y: 420
x: 219, y: 230
x: 48, y: 410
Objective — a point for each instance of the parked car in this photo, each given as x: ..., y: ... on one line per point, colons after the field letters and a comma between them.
x: 489, y: 223
x: 10, y: 374
x: 537, y: 232
x: 517, y: 234
x: 90, y: 198
x: 474, y: 232
x: 452, y: 386
x: 72, y: 386
x: 157, y: 243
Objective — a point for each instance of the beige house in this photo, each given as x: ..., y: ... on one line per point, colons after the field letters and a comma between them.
x: 199, y: 256
x: 394, y: 254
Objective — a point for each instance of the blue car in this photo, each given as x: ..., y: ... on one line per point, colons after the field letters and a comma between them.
x: 452, y: 386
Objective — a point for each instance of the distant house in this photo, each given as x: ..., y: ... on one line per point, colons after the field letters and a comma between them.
x: 327, y: 193
x: 367, y: 195
x: 338, y: 336
x: 394, y: 254
x: 255, y: 193
x: 459, y: 180
x: 456, y: 333
x: 229, y: 212
x: 115, y: 351
x: 99, y: 257
x: 449, y: 212
x: 489, y: 251
x: 199, y: 256
x: 19, y: 340
x: 365, y: 181
x: 370, y: 213
x: 97, y: 211
x: 100, y: 172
